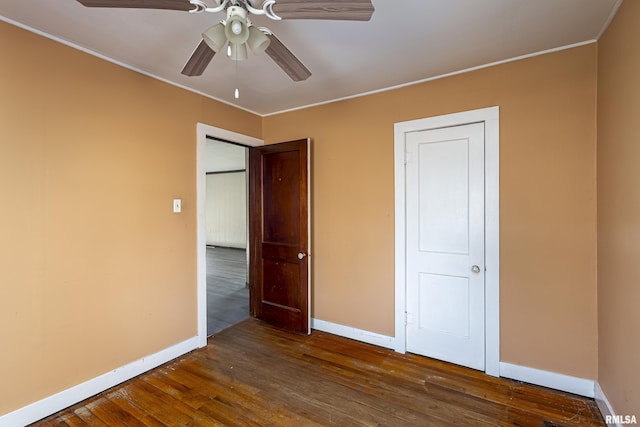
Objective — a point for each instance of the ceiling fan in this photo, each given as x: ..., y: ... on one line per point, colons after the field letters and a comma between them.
x: 236, y: 32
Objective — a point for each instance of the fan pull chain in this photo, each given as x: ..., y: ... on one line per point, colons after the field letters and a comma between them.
x: 236, y: 94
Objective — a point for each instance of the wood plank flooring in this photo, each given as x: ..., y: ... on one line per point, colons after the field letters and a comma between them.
x: 255, y: 375
x: 227, y: 291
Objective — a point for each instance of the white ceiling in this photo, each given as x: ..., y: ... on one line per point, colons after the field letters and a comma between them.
x: 406, y: 41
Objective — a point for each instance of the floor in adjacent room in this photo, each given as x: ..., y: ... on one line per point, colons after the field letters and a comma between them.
x: 227, y: 291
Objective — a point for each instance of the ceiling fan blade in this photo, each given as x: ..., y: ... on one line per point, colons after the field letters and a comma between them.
x: 348, y: 10
x: 199, y: 60
x: 140, y: 4
x: 287, y: 60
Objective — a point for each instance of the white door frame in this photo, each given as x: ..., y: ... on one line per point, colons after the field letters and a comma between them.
x: 491, y: 118
x: 203, y: 131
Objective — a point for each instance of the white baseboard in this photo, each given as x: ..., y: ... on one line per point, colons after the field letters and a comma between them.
x: 603, y: 404
x: 52, y: 404
x: 353, y: 333
x: 581, y: 386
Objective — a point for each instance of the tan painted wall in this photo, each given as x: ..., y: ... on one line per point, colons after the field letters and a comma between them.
x: 95, y: 269
x: 619, y: 210
x: 548, y: 205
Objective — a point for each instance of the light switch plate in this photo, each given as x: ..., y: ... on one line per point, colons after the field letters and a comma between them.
x: 177, y: 205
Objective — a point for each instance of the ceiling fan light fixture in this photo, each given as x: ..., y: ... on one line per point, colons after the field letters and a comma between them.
x: 238, y: 51
x: 258, y: 41
x: 215, y: 37
x: 237, y: 28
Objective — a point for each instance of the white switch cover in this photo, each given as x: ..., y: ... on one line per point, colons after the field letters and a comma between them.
x: 177, y: 205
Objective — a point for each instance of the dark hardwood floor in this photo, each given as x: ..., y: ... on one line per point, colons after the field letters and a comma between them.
x: 227, y: 291
x: 255, y: 375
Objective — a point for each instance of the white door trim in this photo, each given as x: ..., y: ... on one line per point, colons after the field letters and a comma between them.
x: 203, y: 131
x: 490, y: 116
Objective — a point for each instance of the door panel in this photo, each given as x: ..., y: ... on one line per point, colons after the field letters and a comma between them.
x: 445, y: 239
x: 443, y: 201
x: 281, y: 182
x: 279, y: 234
x: 449, y: 294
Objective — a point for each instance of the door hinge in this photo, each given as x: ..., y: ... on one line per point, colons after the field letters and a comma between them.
x: 407, y: 318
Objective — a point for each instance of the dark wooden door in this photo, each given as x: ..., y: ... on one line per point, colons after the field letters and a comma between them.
x: 279, y: 234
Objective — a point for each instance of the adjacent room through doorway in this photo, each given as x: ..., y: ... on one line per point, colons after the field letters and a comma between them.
x: 227, y: 293
x: 226, y: 235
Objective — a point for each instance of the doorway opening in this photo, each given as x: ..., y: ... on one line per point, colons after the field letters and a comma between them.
x: 278, y: 182
x: 226, y: 234
x: 204, y: 134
